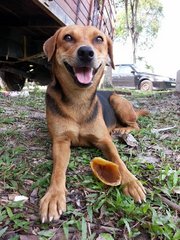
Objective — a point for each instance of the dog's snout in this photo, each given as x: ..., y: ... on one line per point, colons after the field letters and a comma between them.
x: 85, y: 53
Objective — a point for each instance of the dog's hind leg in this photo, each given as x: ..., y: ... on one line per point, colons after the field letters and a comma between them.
x: 125, y: 113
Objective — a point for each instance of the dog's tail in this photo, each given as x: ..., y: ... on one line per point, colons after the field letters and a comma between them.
x: 142, y: 112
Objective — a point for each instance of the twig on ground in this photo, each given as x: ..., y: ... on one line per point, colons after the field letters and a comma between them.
x: 165, y: 200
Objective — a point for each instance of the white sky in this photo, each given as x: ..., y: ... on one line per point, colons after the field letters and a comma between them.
x: 165, y: 54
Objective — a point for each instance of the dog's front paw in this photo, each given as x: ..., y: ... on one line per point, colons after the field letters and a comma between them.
x: 132, y: 187
x: 52, y: 205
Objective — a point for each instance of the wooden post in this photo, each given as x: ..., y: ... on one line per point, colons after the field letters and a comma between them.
x: 178, y: 81
x: 106, y: 81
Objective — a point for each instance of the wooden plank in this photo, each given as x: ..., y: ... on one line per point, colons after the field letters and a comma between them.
x: 71, y: 4
x: 112, y: 10
x: 90, y: 12
x: 79, y: 22
x: 55, y: 11
x: 112, y: 17
x: 108, y: 17
x: 76, y: 1
x: 82, y: 18
x: 85, y: 5
x: 67, y: 9
x: 83, y: 13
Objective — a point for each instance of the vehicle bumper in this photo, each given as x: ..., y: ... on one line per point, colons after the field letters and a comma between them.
x: 163, y: 85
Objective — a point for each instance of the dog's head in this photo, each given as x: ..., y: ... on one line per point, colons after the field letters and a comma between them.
x: 81, y: 50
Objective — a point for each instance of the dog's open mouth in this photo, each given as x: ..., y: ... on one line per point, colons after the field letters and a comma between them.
x: 83, y: 76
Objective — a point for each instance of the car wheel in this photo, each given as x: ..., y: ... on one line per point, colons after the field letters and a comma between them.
x: 11, y: 82
x: 146, y: 85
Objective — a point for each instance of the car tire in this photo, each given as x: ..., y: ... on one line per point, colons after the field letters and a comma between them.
x: 11, y: 82
x: 146, y: 85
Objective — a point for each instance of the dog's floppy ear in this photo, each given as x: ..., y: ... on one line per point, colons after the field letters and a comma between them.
x: 110, y: 51
x: 49, y: 46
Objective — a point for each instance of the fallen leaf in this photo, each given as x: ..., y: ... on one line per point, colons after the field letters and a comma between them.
x: 149, y: 159
x: 130, y: 140
x: 59, y: 235
x: 46, y: 233
x: 20, y: 198
x: 33, y: 195
x: 2, y: 231
x: 12, y: 196
x: 29, y: 237
x: 176, y: 190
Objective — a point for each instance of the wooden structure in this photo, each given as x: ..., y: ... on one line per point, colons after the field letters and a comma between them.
x: 26, y: 24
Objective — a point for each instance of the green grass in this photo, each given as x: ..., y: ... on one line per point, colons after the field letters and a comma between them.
x: 93, y: 209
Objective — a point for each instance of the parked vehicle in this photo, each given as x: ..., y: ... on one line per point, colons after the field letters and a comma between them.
x: 26, y: 24
x: 128, y: 76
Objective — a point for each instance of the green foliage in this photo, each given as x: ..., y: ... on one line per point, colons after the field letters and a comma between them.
x: 16, y: 220
x: 93, y: 209
x: 142, y: 26
x: 149, y: 18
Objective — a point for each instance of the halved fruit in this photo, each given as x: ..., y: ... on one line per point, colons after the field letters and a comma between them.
x: 106, y: 171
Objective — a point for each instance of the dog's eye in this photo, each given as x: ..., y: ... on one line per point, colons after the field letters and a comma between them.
x: 99, y: 39
x: 68, y: 38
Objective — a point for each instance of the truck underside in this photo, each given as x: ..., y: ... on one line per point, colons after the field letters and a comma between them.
x: 26, y: 24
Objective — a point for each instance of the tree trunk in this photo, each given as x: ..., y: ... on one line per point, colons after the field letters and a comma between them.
x: 132, y: 6
x: 134, y: 50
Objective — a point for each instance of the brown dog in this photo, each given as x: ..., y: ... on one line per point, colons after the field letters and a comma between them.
x: 78, y: 115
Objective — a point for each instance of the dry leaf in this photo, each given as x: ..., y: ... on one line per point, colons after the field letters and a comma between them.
x: 20, y: 198
x: 130, y: 140
x: 29, y: 237
x: 176, y: 190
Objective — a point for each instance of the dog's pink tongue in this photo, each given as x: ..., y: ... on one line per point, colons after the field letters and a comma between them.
x: 84, y: 74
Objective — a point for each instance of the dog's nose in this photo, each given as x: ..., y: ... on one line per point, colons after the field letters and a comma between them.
x: 85, y: 53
